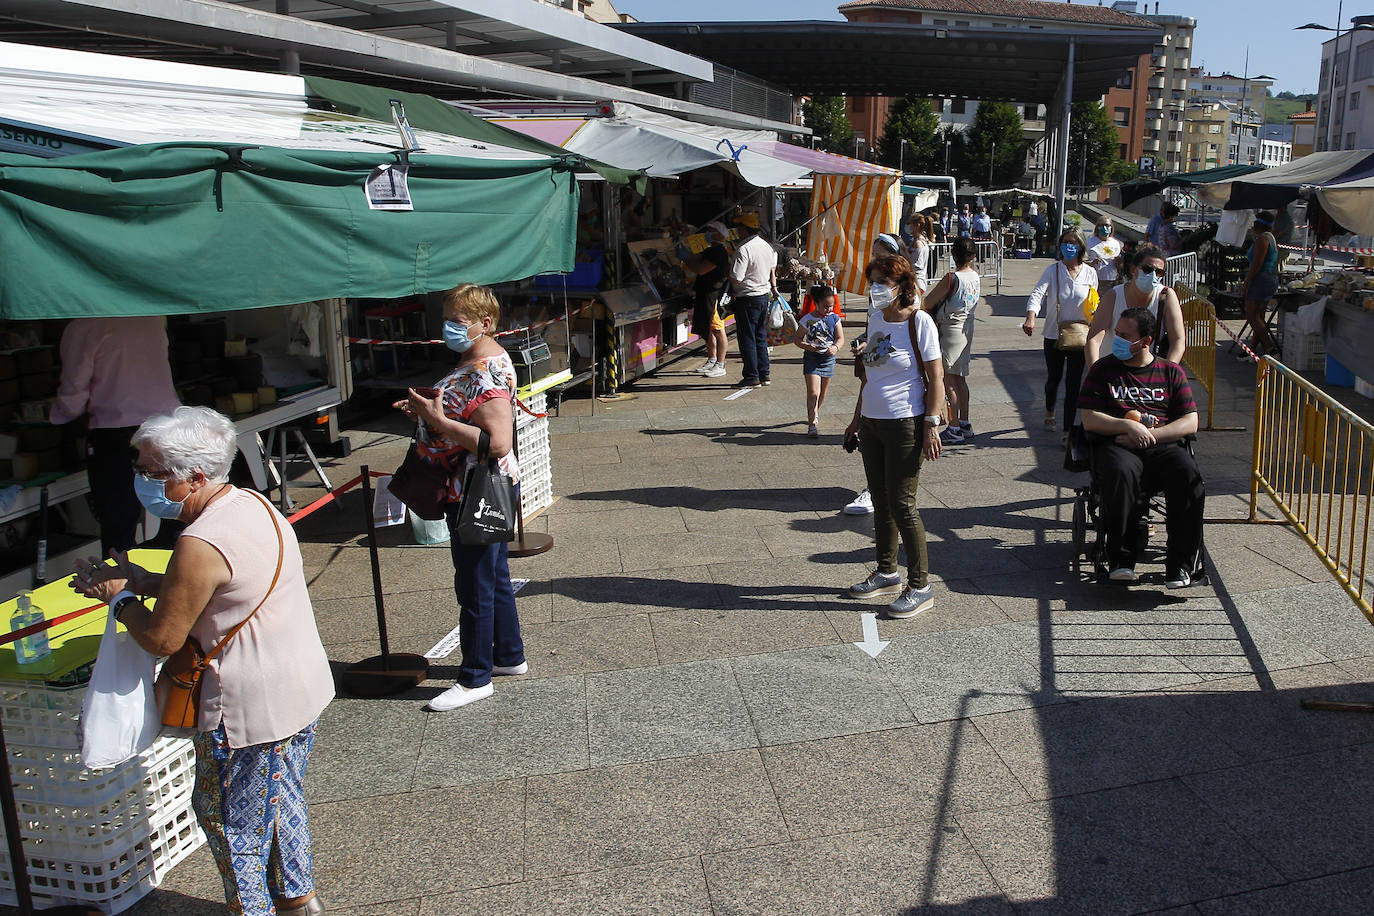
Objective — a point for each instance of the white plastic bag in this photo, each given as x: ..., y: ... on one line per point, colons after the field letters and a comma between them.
x: 776, y: 313
x: 119, y: 717
x: 427, y: 532
x: 1233, y: 226
x: 1309, y: 317
x: 387, y: 510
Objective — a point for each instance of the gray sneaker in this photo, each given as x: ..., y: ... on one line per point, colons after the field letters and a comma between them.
x: 912, y: 601
x: 879, y: 583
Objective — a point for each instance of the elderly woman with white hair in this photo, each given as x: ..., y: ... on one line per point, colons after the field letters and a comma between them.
x: 236, y: 583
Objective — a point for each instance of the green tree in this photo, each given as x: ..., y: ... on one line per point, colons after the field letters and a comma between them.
x: 824, y: 114
x: 1122, y: 170
x: 1093, y: 144
x: 994, y: 143
x: 911, y: 120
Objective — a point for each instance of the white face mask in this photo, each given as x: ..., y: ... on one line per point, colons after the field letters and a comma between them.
x: 880, y: 296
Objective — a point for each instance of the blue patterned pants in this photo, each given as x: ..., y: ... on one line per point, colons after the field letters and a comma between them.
x: 250, y: 802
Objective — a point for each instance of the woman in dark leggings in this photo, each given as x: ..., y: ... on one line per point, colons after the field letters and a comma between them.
x: 1063, y: 291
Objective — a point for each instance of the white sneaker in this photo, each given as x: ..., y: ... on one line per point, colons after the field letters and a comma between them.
x: 813, y: 432
x: 861, y: 505
x: 715, y: 371
x: 705, y: 367
x: 1122, y: 574
x: 501, y: 670
x: 458, y: 695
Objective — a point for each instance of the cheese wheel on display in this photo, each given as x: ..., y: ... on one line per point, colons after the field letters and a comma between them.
x: 245, y: 401
x: 267, y: 395
x: 225, y: 404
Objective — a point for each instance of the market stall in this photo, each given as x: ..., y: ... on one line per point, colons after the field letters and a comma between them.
x: 697, y: 173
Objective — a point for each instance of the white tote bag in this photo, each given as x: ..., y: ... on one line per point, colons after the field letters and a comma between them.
x: 119, y: 717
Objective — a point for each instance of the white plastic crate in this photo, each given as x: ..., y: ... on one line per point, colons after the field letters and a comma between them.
x: 535, y: 495
x: 538, y: 404
x: 1304, y: 352
x: 115, y: 875
x: 41, y: 715
x: 1363, y: 388
x: 53, y: 776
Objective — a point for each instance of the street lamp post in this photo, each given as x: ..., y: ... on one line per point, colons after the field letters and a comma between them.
x: 901, y: 157
x: 946, y: 156
x: 992, y: 157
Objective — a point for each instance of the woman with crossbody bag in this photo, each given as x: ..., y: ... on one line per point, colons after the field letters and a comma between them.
x: 896, y: 419
x: 234, y: 604
x: 1069, y: 285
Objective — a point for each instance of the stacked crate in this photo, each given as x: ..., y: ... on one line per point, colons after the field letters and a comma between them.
x: 536, y: 463
x: 105, y: 837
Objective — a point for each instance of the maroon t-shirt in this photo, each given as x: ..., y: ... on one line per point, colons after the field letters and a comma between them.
x: 1160, y: 389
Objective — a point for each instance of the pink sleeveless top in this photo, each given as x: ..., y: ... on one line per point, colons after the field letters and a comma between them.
x: 273, y: 678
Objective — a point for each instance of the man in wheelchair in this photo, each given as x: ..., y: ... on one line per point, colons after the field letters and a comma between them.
x: 1139, y: 414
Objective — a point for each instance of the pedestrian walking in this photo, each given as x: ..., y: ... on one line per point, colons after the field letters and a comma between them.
x: 895, y: 421
x: 1064, y: 290
x: 820, y: 336
x: 951, y: 304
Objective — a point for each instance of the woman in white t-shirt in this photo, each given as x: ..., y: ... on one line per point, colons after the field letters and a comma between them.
x: 920, y: 250
x: 1144, y: 288
x: 951, y: 303
x: 896, y: 421
x: 1063, y: 289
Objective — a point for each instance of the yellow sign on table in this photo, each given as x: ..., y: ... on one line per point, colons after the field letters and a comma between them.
x: 75, y: 642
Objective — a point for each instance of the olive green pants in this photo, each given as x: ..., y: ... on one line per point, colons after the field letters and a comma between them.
x: 892, y: 453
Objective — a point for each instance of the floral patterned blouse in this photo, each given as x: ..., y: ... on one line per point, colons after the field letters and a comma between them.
x: 465, y: 389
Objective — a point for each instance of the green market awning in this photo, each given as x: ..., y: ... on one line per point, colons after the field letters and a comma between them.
x: 425, y: 112
x: 1140, y: 188
x: 183, y: 228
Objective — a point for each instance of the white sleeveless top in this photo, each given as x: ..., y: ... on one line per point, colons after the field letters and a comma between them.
x: 1119, y: 308
x: 273, y: 678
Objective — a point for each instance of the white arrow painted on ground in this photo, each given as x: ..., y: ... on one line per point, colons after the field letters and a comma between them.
x: 871, y: 644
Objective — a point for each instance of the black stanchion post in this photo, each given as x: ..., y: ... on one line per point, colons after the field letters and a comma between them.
x: 388, y: 673
x: 40, y: 568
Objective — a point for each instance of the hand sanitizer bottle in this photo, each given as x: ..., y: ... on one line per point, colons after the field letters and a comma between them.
x: 34, y: 646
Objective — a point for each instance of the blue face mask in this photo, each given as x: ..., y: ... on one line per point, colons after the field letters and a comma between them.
x: 1145, y: 282
x: 153, y: 495
x: 456, y: 337
x: 1121, y: 349
x: 1068, y: 251
x: 1104, y: 232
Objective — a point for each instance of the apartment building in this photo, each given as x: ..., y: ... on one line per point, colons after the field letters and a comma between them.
x: 1166, y: 95
x: 1346, y: 123
x: 1205, y: 133
x: 1304, y: 124
x: 1245, y: 98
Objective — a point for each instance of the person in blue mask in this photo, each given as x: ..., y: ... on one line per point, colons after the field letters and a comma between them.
x: 1137, y: 408
x: 476, y: 397
x: 1064, y: 290
x: 1144, y: 288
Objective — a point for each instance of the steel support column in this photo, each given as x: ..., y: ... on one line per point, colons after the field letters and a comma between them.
x: 1061, y: 165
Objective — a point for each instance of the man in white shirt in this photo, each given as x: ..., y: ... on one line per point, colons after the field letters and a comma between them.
x: 753, y: 278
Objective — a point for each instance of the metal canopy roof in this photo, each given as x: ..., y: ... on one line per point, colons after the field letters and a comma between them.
x: 894, y: 59
x: 520, y: 32
x: 229, y: 34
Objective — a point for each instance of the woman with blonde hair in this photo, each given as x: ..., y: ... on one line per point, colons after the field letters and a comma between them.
x: 920, y: 250
x: 473, y: 403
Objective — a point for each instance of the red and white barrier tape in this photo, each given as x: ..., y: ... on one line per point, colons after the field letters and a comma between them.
x: 1340, y: 248
x: 1229, y: 333
x: 426, y: 343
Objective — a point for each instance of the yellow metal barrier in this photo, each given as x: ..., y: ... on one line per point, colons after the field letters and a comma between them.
x: 1315, y: 459
x: 1200, y: 350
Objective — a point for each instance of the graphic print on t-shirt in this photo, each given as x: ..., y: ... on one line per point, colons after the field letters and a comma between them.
x: 817, y: 333
x: 879, y: 349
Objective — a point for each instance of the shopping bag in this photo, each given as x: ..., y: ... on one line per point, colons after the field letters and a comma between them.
x: 422, y: 486
x: 429, y: 532
x: 119, y: 717
x: 387, y: 510
x: 486, y: 507
x: 776, y: 313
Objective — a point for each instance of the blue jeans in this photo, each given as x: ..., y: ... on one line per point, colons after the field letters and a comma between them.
x: 751, y: 332
x: 488, y: 628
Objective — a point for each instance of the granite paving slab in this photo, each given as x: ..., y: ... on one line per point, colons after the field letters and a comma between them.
x: 919, y: 869
x: 1127, y: 850
x: 666, y: 711
x: 1309, y: 814
x: 821, y: 692
x: 689, y: 634
x: 916, y: 774
x: 675, y: 887
x: 576, y: 597
x: 529, y: 726
x: 647, y: 812
x: 391, y: 729
x: 582, y: 646
x: 1344, y: 894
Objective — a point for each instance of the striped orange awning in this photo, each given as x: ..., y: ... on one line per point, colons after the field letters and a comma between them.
x: 849, y: 212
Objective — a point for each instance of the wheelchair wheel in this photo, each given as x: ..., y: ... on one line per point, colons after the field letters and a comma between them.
x: 1080, y: 526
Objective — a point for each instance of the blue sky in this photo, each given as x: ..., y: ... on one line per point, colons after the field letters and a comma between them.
x: 1224, y: 29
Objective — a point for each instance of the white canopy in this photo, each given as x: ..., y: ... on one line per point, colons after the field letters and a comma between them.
x: 1351, y: 204
x: 1312, y: 169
